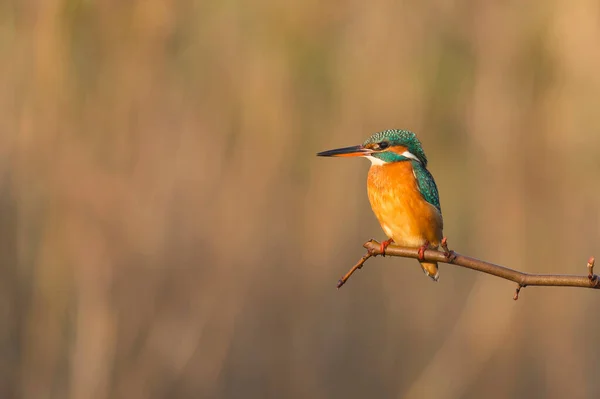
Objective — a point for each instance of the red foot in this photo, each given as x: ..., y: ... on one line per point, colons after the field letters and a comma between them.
x: 384, y: 245
x: 422, y: 249
x: 448, y: 253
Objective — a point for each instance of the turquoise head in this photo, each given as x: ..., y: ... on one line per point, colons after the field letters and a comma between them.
x: 385, y: 147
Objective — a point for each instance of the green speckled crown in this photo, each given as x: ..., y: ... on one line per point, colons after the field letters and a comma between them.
x: 404, y: 138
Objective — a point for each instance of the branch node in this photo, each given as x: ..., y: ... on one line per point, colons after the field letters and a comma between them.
x: 516, y: 296
x: 370, y: 250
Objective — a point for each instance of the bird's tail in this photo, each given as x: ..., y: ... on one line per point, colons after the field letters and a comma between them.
x: 431, y: 270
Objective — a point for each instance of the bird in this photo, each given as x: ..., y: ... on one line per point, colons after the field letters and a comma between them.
x: 402, y: 192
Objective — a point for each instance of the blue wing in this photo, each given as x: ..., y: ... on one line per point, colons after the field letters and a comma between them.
x: 426, y: 184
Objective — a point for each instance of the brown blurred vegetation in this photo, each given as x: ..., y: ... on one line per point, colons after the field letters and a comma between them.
x: 167, y: 231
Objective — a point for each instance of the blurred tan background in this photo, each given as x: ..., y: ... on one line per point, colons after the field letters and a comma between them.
x: 167, y: 231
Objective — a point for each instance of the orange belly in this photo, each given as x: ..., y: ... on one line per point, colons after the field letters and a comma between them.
x: 402, y: 211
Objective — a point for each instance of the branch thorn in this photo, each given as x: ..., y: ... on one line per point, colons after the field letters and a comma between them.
x: 516, y: 296
x: 591, y: 276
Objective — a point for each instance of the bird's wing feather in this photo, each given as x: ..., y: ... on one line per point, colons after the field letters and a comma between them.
x: 426, y: 184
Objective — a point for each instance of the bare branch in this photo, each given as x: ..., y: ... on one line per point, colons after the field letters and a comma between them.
x: 522, y: 279
x: 358, y: 265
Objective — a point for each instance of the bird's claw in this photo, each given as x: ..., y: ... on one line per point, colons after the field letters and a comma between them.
x: 448, y: 253
x: 422, y: 249
x: 384, y: 245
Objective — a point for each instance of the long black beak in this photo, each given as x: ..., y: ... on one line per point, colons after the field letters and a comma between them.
x: 354, y: 151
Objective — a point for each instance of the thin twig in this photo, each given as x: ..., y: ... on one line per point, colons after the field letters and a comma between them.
x: 358, y: 265
x: 451, y: 257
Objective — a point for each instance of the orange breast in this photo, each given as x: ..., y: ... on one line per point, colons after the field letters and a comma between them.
x: 402, y: 211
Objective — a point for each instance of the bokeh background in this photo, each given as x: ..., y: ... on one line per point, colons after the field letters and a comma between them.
x: 167, y: 231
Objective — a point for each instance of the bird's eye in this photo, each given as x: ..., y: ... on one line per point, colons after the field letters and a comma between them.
x: 383, y: 145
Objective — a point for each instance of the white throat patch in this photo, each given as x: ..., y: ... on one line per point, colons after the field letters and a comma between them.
x: 375, y: 161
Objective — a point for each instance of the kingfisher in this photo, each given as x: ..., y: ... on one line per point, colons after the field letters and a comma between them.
x: 402, y: 192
